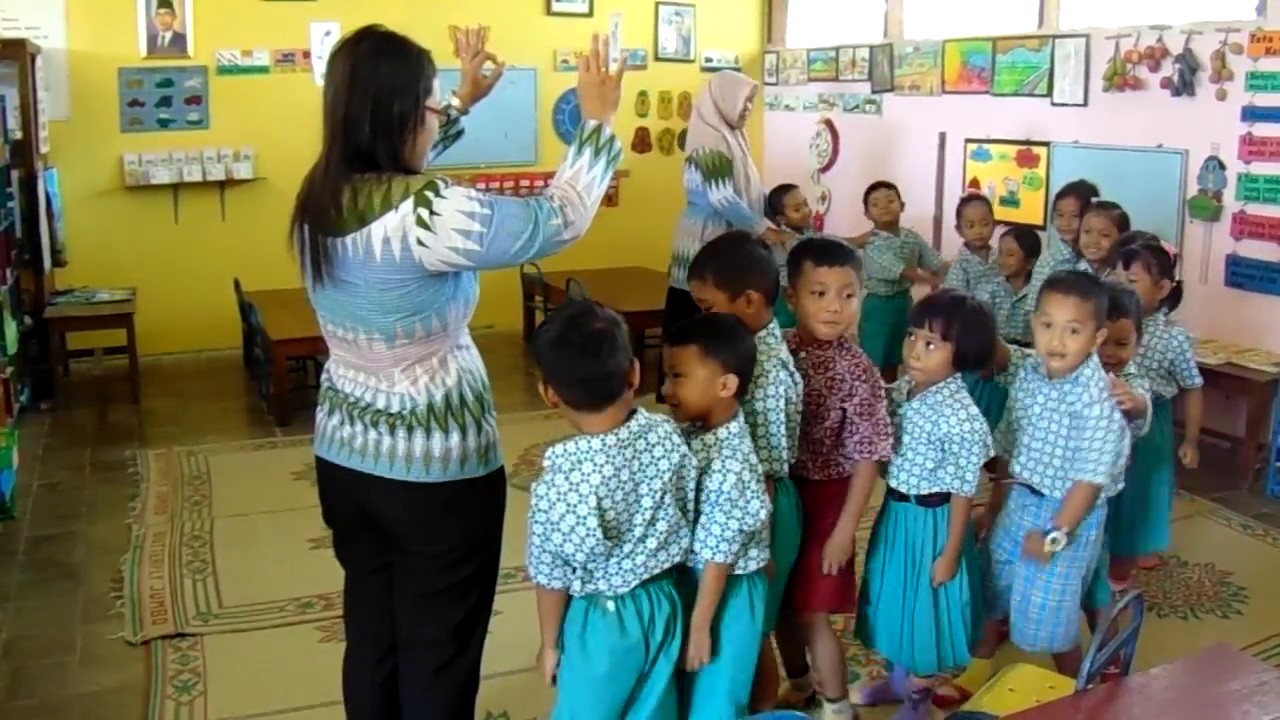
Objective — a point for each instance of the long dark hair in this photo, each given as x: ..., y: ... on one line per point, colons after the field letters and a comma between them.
x: 376, y: 89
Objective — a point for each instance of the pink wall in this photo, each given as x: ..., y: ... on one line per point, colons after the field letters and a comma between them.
x: 902, y: 146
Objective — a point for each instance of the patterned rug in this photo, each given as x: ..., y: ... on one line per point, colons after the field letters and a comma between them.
x: 1216, y: 585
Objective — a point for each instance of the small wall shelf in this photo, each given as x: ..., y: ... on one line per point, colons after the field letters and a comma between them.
x: 175, y: 189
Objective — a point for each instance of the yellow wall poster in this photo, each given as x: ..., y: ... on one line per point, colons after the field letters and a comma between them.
x: 1013, y: 174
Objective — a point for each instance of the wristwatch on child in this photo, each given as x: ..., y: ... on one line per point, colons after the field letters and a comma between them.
x: 1055, y: 540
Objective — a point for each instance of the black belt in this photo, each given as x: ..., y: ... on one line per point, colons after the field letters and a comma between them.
x: 928, y: 500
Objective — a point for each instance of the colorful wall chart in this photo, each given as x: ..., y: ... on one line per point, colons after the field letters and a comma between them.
x: 1250, y: 113
x: 917, y: 68
x: 1249, y: 226
x: 966, y: 66
x: 1013, y: 174
x: 1251, y: 274
x: 1258, y: 148
x: 1263, y: 44
x: 1258, y: 188
x: 1022, y: 67
x: 163, y: 99
x: 1262, y: 82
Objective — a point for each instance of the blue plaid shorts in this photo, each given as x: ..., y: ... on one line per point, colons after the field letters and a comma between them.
x: 1042, y: 601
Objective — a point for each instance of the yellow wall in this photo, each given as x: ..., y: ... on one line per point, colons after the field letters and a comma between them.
x: 184, y: 271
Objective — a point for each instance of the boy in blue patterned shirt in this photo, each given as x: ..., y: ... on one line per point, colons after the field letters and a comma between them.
x: 609, y: 524
x: 709, y: 362
x: 736, y: 274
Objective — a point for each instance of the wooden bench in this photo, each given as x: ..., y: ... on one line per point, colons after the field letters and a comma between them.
x: 1258, y: 390
x: 291, y: 331
x: 66, y: 318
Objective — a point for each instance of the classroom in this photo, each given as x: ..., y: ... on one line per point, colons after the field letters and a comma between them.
x: 174, y: 394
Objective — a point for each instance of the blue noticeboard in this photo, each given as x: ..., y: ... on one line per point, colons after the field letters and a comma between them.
x: 165, y: 98
x: 1252, y: 274
x: 1149, y: 183
x: 502, y: 131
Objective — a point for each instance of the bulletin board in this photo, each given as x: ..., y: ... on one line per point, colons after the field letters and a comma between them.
x: 1149, y: 183
x: 502, y: 131
x: 1013, y: 174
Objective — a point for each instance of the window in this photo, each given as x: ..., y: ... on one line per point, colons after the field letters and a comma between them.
x: 1081, y: 14
x: 823, y: 23
x: 942, y: 19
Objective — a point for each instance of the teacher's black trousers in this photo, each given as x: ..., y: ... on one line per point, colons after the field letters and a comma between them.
x: 420, y: 565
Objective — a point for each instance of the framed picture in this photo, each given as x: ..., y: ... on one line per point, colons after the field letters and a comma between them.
x: 845, y: 64
x: 917, y: 68
x: 1022, y: 67
x: 675, y: 32
x: 793, y: 67
x: 165, y: 29
x: 822, y: 65
x: 571, y: 8
x: 770, y: 74
x: 966, y: 66
x: 881, y: 62
x: 1070, y: 86
x: 1013, y: 174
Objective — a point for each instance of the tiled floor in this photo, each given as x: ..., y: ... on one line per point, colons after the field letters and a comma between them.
x: 59, y: 559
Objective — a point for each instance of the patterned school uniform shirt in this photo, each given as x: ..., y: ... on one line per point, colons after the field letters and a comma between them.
x: 614, y: 509
x: 405, y: 394
x: 973, y: 274
x: 1137, y: 381
x: 1167, y: 357
x: 887, y: 255
x: 712, y: 206
x: 943, y: 439
x: 1013, y: 310
x: 1058, y: 432
x: 1114, y: 274
x: 772, y: 405
x: 1057, y: 255
x: 844, y: 419
x: 733, y: 507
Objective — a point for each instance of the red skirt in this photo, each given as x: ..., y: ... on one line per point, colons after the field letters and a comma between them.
x: 809, y: 590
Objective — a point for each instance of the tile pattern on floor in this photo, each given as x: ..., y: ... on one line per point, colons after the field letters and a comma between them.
x: 59, y: 560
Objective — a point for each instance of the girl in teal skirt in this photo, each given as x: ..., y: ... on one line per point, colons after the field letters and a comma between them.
x: 920, y: 606
x: 1141, y: 514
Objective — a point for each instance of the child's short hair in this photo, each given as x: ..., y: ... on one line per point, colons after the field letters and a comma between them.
x: 1082, y: 191
x: 1027, y: 240
x: 1146, y: 250
x: 1123, y: 304
x: 1113, y: 211
x: 775, y: 202
x: 724, y: 339
x: 1083, y: 286
x: 962, y: 320
x: 821, y: 252
x: 973, y: 198
x: 583, y: 351
x: 876, y: 186
x: 735, y: 263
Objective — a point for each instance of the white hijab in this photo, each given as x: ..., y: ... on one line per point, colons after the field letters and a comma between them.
x: 713, y: 126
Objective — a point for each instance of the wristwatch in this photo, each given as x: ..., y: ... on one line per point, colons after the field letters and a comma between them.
x: 1055, y: 540
x: 455, y: 103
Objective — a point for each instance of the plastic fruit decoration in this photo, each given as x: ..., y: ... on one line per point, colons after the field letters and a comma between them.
x: 1115, y: 76
x: 1154, y: 55
x: 1219, y: 72
x: 1182, y: 82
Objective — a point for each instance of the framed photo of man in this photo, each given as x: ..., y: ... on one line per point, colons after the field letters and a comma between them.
x: 675, y: 32
x: 164, y: 29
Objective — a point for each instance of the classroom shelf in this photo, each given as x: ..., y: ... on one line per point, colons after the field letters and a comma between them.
x: 176, y: 190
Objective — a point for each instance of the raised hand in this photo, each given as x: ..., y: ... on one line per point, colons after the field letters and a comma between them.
x: 599, y: 90
x: 481, y: 69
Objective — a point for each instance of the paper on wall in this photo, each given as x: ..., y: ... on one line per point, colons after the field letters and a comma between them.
x: 44, y: 22
x: 615, y: 40
x: 42, y: 107
x: 42, y: 207
x: 324, y: 35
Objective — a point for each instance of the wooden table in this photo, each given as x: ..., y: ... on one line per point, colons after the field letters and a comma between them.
x: 289, y: 323
x: 638, y: 294
x: 1219, y: 683
x: 1258, y: 389
x: 90, y: 317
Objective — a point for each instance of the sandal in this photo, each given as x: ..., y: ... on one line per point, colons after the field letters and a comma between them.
x: 949, y: 696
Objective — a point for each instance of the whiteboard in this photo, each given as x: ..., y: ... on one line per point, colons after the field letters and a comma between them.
x: 501, y: 131
x: 1149, y: 183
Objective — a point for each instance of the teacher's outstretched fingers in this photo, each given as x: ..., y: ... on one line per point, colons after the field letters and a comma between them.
x: 481, y: 70
x: 599, y: 90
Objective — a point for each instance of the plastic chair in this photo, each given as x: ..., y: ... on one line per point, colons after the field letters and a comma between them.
x: 1124, y: 645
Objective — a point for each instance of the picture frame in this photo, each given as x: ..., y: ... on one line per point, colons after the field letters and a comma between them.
x: 165, y: 29
x: 1013, y: 175
x: 571, y: 8
x: 1022, y: 66
x: 793, y: 67
x: 846, y: 63
x: 1070, y: 84
x: 967, y: 65
x: 675, y: 32
x: 822, y: 64
x: 769, y: 73
x: 881, y: 68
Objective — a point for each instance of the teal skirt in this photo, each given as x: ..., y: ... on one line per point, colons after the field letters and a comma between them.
x: 901, y: 615
x: 882, y: 328
x: 619, y: 654
x: 989, y: 395
x: 1140, y: 514
x: 722, y: 689
x: 782, y: 313
x: 784, y: 546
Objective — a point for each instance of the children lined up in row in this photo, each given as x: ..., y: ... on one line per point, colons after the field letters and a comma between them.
x: 665, y: 555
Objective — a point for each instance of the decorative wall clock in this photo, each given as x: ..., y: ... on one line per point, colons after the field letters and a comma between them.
x: 566, y: 116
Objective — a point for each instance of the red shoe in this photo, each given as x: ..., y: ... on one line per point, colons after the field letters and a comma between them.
x: 1149, y: 562
x: 1110, y: 673
x: 949, y: 696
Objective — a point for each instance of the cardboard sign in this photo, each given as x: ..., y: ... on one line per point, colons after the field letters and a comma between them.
x: 1259, y: 114
x: 1258, y: 148
x: 1264, y: 44
x: 1262, y: 82
x: 1252, y: 275
x: 1249, y: 226
x: 1258, y: 188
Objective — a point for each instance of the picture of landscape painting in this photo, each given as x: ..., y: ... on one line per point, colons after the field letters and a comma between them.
x: 1022, y: 67
x: 966, y: 66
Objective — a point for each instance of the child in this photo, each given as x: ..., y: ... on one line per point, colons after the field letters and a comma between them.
x: 710, y: 359
x: 976, y: 271
x: 789, y: 209
x: 736, y: 274
x: 1065, y: 442
x: 1166, y: 357
x: 844, y: 433
x: 896, y: 258
x: 920, y: 606
x: 1102, y: 234
x: 1070, y: 204
x: 609, y: 524
x: 1013, y: 300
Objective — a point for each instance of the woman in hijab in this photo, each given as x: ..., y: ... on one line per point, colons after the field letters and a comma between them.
x: 721, y: 185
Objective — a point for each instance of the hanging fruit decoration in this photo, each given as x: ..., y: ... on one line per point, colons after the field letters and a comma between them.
x: 1154, y: 55
x: 1219, y: 72
x: 1185, y: 68
x: 1132, y: 59
x: 1116, y: 76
